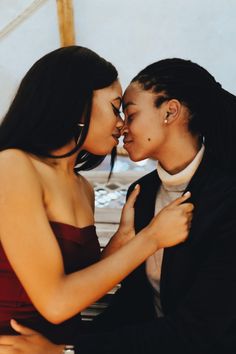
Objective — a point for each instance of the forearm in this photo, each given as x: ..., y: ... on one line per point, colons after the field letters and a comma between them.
x: 126, y: 231
x: 118, y: 240
x: 89, y: 284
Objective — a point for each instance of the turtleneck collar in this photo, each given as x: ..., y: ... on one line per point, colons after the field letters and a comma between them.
x: 183, y: 177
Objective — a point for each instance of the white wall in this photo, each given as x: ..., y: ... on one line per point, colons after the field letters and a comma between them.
x: 35, y: 36
x: 130, y: 33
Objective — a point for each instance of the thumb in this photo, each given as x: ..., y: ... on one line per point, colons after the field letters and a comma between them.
x: 21, y: 329
x: 180, y: 200
x: 133, y: 196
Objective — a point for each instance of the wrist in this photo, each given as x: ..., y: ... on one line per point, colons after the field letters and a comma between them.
x: 123, y: 235
x: 151, y: 237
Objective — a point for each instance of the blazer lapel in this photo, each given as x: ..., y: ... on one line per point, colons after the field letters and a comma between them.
x: 144, y: 212
x: 196, y: 187
x: 145, y: 204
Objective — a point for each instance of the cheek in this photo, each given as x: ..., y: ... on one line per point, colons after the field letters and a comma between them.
x: 146, y: 142
x: 142, y: 133
x: 153, y: 131
x: 103, y: 122
x: 99, y: 140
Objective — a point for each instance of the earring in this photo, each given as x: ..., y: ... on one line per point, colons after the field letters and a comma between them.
x: 167, y: 115
x: 77, y: 139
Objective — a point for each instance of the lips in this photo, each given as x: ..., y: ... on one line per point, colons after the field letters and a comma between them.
x: 116, y: 137
x: 126, y: 143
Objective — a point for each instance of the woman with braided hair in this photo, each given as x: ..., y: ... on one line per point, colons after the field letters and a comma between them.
x: 181, y: 300
x: 63, y: 119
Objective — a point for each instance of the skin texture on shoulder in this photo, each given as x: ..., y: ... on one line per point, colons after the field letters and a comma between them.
x: 88, y: 190
x: 24, y: 229
x: 17, y: 170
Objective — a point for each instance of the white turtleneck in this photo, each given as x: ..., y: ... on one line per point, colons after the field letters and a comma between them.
x: 171, y: 188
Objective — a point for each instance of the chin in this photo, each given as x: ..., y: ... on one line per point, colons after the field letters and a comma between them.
x: 102, y: 153
x: 105, y: 150
x: 136, y: 158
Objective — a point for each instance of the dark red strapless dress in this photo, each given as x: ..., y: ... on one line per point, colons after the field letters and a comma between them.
x: 80, y: 248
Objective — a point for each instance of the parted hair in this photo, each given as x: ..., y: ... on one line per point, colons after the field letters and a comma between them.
x: 54, y: 96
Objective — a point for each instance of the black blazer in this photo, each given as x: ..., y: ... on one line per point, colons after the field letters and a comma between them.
x: 198, y: 280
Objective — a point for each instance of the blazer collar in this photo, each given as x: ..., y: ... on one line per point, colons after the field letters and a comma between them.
x: 198, y: 180
x: 145, y: 205
x: 150, y: 184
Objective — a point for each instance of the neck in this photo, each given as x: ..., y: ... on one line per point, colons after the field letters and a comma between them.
x: 178, y: 154
x: 65, y: 164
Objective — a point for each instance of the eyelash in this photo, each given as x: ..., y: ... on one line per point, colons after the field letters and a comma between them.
x: 116, y: 111
x: 130, y: 118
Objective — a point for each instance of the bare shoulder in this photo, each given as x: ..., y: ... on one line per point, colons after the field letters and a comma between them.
x: 16, y: 166
x: 13, y: 157
x: 87, y: 186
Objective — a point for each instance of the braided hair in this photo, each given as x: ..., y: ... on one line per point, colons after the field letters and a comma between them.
x: 212, y: 110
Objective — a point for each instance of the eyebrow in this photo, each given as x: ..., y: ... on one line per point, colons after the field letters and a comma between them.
x: 126, y: 105
x: 117, y: 109
x: 118, y: 99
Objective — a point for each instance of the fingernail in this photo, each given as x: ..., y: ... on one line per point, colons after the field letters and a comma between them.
x: 137, y: 185
x: 187, y: 193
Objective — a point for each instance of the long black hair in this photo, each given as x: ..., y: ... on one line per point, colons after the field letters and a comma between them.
x: 53, y: 98
x: 212, y: 109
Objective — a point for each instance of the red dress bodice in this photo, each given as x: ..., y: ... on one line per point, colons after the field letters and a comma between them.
x: 80, y: 248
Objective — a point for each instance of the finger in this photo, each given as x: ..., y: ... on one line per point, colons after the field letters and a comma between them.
x: 133, y: 196
x: 186, y: 207
x: 4, y: 349
x: 189, y: 223
x: 22, y: 329
x: 181, y: 199
x: 7, y: 340
x: 190, y: 216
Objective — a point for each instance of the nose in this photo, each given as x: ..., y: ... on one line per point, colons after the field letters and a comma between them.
x: 124, y: 129
x: 119, y: 124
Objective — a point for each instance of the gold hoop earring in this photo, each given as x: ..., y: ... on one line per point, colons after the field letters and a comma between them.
x: 81, y: 125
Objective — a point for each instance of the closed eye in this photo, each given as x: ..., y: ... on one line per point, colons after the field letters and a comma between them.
x: 129, y: 118
x: 116, y: 110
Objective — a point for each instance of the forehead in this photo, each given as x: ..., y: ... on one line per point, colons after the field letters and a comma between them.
x: 135, y: 95
x: 112, y: 92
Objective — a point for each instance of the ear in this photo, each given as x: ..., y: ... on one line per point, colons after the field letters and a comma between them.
x: 172, y: 110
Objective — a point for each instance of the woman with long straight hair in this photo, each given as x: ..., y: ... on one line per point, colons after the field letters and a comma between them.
x: 65, y: 118
x: 181, y: 300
